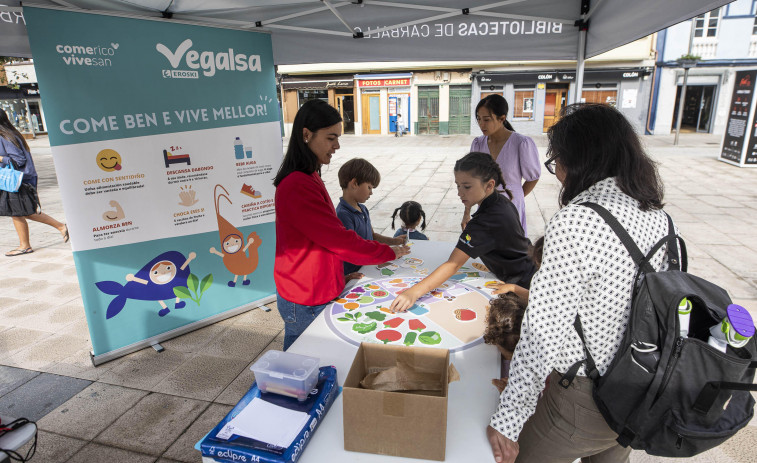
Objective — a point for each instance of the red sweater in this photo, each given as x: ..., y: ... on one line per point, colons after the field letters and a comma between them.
x: 312, y: 243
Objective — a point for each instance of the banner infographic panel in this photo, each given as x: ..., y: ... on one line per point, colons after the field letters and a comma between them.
x: 165, y: 138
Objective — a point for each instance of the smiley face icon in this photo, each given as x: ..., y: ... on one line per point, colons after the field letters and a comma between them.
x: 109, y: 160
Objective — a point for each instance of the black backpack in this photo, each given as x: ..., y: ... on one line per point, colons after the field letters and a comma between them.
x: 665, y: 394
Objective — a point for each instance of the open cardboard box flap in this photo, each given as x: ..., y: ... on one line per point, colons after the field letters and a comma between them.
x: 409, y: 423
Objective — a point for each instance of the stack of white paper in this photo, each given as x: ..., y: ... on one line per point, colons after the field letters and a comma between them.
x: 266, y: 422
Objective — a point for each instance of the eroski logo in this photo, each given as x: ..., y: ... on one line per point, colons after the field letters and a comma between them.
x: 208, y: 61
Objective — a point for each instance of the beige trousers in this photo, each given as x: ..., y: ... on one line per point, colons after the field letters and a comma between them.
x: 566, y: 426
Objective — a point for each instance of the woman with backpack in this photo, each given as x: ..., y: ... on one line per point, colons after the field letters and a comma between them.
x: 586, y: 272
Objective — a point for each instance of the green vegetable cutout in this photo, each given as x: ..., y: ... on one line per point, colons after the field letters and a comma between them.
x: 394, y: 322
x: 410, y: 338
x: 363, y: 328
x: 387, y: 272
x: 350, y: 317
x: 378, y: 316
x: 430, y: 337
x: 388, y: 336
x: 193, y: 290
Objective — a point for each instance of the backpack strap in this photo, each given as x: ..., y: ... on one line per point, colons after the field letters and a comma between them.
x: 638, y: 257
x: 591, y: 368
x: 710, y: 391
x: 673, y: 241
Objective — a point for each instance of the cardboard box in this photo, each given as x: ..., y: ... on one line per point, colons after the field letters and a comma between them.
x: 407, y: 424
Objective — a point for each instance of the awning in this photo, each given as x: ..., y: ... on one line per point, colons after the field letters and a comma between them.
x: 316, y: 82
x: 590, y: 75
x: 326, y: 31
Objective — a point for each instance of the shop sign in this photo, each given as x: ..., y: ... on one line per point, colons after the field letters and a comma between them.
x: 740, y: 141
x: 384, y: 82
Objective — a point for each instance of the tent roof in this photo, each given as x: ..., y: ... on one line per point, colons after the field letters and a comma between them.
x: 313, y: 31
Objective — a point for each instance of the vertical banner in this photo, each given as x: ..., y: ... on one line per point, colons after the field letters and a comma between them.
x: 165, y: 138
x: 740, y: 140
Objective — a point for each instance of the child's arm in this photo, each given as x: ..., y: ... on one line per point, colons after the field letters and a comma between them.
x: 442, y: 273
x: 504, y: 288
x: 389, y: 240
x: 131, y: 277
x: 214, y: 251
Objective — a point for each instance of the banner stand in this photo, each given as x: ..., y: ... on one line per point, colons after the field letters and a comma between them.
x: 165, y: 138
x: 114, y: 354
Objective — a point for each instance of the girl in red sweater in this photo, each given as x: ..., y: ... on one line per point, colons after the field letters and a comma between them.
x: 311, y: 242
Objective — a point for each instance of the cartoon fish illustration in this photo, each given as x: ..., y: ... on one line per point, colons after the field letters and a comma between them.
x: 155, y: 281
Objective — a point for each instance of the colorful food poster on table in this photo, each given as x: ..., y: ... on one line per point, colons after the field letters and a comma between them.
x: 165, y: 138
x: 452, y: 316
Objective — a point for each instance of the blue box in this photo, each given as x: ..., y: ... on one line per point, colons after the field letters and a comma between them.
x: 239, y: 448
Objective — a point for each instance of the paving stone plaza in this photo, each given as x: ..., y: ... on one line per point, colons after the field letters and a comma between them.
x: 153, y: 407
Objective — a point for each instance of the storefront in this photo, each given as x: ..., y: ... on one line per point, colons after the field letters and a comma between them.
x: 21, y: 98
x: 536, y: 98
x: 383, y: 103
x: 337, y: 90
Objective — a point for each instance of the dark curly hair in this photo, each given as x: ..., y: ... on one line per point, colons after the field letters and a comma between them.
x: 503, y: 320
x: 592, y: 142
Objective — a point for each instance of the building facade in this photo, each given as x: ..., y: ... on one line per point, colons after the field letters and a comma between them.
x: 20, y: 98
x: 440, y: 98
x: 725, y: 39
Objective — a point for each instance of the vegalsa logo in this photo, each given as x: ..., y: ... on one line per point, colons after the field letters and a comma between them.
x: 208, y: 61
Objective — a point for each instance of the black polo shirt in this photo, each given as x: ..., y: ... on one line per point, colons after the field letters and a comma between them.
x: 494, y: 235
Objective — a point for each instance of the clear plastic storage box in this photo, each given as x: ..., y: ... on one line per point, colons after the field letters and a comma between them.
x: 287, y: 374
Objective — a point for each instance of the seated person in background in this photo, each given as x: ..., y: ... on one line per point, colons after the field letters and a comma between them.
x: 411, y: 214
x: 358, y: 178
x: 503, y: 319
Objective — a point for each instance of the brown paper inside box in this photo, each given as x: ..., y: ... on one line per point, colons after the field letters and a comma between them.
x: 395, y: 401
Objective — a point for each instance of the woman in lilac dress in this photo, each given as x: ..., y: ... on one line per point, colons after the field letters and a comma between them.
x: 516, y: 154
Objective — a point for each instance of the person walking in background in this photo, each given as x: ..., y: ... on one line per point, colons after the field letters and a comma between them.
x: 585, y: 272
x: 23, y: 204
x: 516, y: 154
x: 311, y: 242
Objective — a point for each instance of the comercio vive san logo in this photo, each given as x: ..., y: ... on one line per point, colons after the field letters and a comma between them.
x: 208, y: 61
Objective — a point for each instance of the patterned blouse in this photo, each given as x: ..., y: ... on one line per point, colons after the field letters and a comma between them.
x: 585, y: 270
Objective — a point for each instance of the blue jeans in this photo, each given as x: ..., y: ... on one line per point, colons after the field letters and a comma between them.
x: 297, y: 318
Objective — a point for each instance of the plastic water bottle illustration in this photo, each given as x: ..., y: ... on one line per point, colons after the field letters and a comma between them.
x: 238, y: 149
x: 684, y: 313
x: 736, y: 329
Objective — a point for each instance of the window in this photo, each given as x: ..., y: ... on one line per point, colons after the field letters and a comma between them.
x: 754, y: 27
x: 523, y: 104
x: 603, y: 96
x: 707, y: 24
x: 307, y: 95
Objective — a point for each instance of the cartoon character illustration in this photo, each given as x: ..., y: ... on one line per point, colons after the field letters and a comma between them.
x: 233, y: 249
x: 155, y: 281
x: 115, y: 215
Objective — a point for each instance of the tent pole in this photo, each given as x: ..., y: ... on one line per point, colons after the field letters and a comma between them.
x: 683, y: 87
x: 580, y: 65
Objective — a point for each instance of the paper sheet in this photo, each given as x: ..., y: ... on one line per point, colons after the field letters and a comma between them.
x: 266, y: 422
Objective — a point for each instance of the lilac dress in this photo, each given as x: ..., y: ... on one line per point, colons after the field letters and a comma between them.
x: 519, y: 160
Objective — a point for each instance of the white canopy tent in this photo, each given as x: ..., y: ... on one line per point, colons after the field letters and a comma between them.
x: 331, y: 31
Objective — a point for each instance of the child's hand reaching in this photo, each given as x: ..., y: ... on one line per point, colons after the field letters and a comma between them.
x: 353, y: 276
x: 400, y: 250
x: 503, y: 288
x: 500, y: 384
x: 404, y: 301
x: 401, y: 239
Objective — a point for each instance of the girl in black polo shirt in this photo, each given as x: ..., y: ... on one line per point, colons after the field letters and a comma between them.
x: 493, y: 234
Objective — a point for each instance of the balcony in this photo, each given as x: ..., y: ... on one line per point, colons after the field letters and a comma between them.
x: 706, y: 48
